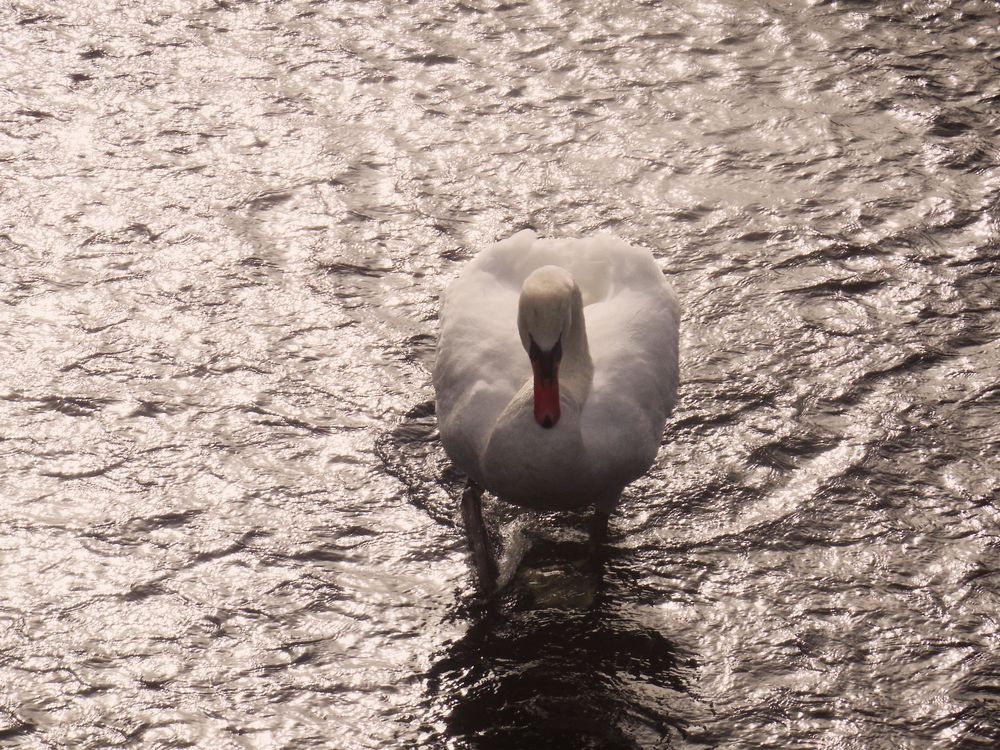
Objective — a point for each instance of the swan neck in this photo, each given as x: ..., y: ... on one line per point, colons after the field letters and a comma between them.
x: 577, y: 369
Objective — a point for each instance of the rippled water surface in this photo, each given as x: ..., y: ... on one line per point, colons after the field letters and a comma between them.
x: 226, y: 520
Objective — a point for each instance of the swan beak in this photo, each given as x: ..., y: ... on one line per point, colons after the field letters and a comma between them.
x: 546, y: 368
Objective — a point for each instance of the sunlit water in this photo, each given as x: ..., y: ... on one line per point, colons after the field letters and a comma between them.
x: 226, y: 520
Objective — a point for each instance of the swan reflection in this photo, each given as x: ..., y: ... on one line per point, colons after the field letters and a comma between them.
x: 556, y: 661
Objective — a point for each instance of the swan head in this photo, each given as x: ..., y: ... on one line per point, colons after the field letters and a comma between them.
x: 545, y: 313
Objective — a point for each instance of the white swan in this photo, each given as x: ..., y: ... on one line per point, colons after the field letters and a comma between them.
x: 556, y: 369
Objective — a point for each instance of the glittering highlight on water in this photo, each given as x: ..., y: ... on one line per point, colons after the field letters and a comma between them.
x: 227, y: 520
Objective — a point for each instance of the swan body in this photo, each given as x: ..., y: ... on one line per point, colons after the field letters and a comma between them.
x: 556, y: 369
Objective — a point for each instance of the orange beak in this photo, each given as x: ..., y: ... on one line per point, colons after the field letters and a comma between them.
x: 546, y: 368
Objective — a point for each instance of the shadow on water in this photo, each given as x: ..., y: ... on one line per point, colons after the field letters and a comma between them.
x: 411, y: 452
x: 557, y: 663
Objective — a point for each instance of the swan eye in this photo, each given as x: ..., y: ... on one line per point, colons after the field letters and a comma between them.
x: 535, y: 351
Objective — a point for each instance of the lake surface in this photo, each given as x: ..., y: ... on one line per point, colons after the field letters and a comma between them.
x: 226, y: 519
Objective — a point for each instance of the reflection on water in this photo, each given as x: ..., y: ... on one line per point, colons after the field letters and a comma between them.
x: 227, y: 520
x: 525, y: 675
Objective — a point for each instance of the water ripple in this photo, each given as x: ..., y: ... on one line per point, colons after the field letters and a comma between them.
x: 228, y: 518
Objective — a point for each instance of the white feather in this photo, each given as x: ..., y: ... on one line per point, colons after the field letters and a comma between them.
x: 483, y: 377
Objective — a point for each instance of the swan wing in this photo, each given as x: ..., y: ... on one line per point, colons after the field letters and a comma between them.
x: 633, y: 342
x: 480, y: 362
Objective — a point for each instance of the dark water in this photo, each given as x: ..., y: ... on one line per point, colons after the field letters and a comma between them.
x: 225, y: 518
